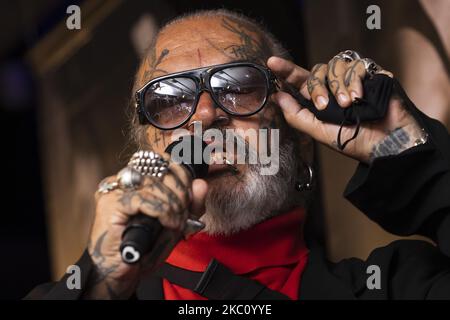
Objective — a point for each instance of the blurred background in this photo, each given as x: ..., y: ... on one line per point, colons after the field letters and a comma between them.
x: 64, y: 98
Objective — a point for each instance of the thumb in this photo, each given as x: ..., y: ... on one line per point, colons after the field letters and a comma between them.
x: 296, y: 116
x: 199, y: 191
x: 301, y: 118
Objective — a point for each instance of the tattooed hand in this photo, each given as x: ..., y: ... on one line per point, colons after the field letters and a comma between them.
x: 397, y: 132
x: 165, y: 199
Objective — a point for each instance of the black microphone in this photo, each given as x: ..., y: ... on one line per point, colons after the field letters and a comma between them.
x: 142, y: 231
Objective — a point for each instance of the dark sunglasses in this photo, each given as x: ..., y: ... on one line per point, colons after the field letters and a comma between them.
x: 240, y: 89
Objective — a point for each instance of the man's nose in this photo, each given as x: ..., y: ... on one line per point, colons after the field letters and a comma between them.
x: 209, y: 113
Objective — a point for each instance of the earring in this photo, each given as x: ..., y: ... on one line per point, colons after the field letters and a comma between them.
x: 306, y: 185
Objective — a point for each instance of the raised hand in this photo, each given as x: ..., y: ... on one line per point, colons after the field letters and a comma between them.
x: 396, y: 132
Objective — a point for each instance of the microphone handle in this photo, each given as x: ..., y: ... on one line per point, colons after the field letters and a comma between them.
x: 139, y: 237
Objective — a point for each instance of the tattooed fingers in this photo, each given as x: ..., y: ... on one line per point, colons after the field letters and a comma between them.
x: 316, y: 86
x: 353, y: 79
x: 335, y: 75
x: 339, y: 78
x: 343, y: 79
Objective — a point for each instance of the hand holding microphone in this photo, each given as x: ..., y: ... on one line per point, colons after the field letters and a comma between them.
x: 143, y: 233
x: 148, y: 220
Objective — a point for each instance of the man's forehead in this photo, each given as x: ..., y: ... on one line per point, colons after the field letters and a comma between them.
x: 203, y: 42
x: 209, y: 28
x: 190, y: 54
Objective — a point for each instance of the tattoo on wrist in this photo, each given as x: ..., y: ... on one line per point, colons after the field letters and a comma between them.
x: 100, y: 271
x: 394, y: 143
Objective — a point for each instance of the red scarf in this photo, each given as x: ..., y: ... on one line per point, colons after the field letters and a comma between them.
x: 272, y: 252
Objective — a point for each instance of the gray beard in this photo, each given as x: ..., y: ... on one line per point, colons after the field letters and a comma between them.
x: 236, y: 207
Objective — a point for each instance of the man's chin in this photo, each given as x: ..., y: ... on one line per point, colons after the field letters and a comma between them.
x: 240, y: 197
x: 220, y: 183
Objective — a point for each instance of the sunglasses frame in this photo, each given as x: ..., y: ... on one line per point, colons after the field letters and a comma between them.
x: 202, y: 78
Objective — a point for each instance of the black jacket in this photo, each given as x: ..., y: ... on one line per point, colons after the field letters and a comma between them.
x: 406, y: 194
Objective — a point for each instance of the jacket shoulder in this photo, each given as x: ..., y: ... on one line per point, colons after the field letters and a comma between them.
x: 404, y: 269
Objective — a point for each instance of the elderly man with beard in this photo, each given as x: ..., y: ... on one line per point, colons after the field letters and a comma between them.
x: 252, y: 244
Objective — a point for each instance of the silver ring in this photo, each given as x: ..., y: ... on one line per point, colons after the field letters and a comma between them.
x: 129, y: 179
x: 142, y: 163
x: 149, y: 163
x: 106, y: 186
x: 348, y: 55
x: 370, y: 66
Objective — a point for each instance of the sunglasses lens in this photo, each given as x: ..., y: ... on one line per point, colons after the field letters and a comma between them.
x: 241, y: 90
x: 167, y: 103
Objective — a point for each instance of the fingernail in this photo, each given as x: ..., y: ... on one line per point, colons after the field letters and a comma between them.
x: 321, y: 102
x: 342, y: 98
x: 354, y: 95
